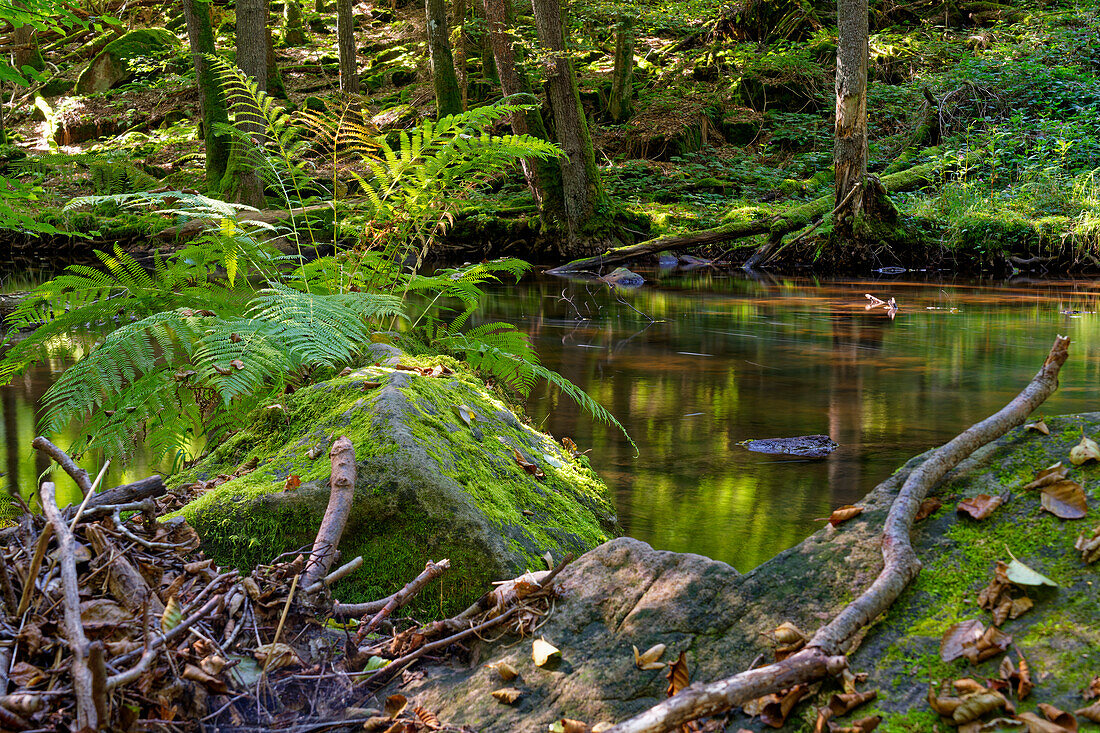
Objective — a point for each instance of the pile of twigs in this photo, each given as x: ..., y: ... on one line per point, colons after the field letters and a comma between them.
x: 113, y: 620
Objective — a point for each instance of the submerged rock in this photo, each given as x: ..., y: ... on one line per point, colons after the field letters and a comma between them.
x: 626, y: 594
x: 622, y: 277
x: 434, y: 481
x: 806, y: 446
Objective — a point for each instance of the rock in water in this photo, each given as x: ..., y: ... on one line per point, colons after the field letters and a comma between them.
x: 113, y: 64
x: 621, y: 277
x: 805, y: 446
x: 426, y: 488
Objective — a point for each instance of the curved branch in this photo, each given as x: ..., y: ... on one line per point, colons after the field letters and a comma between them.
x: 822, y: 656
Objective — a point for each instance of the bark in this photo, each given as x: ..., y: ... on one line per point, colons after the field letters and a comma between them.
x: 295, y: 33
x: 621, y: 105
x: 460, y: 51
x: 543, y: 176
x: 850, y: 152
x: 78, y: 474
x: 823, y: 655
x: 86, y: 707
x: 275, y: 86
x: 402, y: 597
x: 242, y: 183
x: 448, y: 99
x: 342, y: 491
x: 345, y: 42
x: 27, y: 53
x: 582, y: 193
x: 211, y: 102
x: 776, y: 226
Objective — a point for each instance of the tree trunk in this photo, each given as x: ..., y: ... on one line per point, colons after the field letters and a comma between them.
x: 212, y: 105
x: 460, y: 51
x: 275, y: 85
x: 295, y: 32
x: 345, y: 40
x: 448, y: 100
x: 850, y: 152
x: 582, y: 193
x: 27, y: 52
x: 543, y: 176
x: 621, y: 105
x: 242, y: 183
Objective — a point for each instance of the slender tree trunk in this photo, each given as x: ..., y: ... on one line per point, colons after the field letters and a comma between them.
x: 345, y: 40
x: 275, y: 85
x: 295, y: 32
x: 543, y: 177
x: 460, y: 51
x: 212, y: 105
x: 448, y: 100
x: 243, y: 184
x: 27, y: 52
x: 582, y: 193
x: 621, y: 104
x: 850, y: 152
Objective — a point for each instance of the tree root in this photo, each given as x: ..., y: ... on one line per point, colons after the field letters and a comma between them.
x: 824, y: 654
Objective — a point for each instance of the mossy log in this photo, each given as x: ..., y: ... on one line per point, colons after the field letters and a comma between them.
x: 775, y: 227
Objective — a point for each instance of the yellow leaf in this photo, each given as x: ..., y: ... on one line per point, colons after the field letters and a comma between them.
x: 1086, y: 450
x: 507, y: 695
x: 542, y: 651
x: 648, y: 660
x: 172, y: 615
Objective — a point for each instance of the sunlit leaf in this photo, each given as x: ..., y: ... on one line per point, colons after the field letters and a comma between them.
x: 1035, y: 724
x: 678, y: 677
x: 395, y: 705
x: 844, y: 513
x: 1065, y: 500
x: 172, y: 616
x: 648, y: 660
x: 1023, y: 575
x: 1086, y: 450
x: 293, y: 481
x: 507, y: 695
x: 1038, y: 426
x: 542, y: 651
x: 506, y: 671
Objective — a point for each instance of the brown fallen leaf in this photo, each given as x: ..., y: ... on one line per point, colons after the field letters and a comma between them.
x: 843, y: 514
x: 1089, y: 547
x: 1019, y: 676
x: 788, y: 633
x: 776, y: 711
x: 863, y: 725
x: 1065, y: 500
x: 276, y: 656
x: 1086, y: 450
x: 1058, y: 716
x: 507, y: 695
x: 1092, y: 712
x: 506, y: 671
x: 976, y: 704
x: 1049, y: 475
x: 992, y: 642
x: 395, y: 705
x: 957, y: 638
x: 842, y: 704
x: 526, y: 465
x: 237, y: 364
x: 574, y: 726
x: 678, y: 677
x: 1093, y: 690
x: 1039, y: 426
x: 293, y: 481
x: 1035, y: 724
x: 927, y: 508
x: 212, y: 683
x: 427, y: 718
x: 979, y: 507
x: 369, y: 385
x: 222, y: 370
x: 26, y: 674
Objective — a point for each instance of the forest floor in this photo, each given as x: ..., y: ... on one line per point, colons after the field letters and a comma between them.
x: 732, y: 122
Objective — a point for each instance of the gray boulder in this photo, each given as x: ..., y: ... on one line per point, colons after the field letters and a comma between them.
x: 114, y: 64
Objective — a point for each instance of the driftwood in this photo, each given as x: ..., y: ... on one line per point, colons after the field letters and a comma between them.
x: 78, y: 474
x: 824, y: 654
x: 776, y: 227
x: 342, y: 486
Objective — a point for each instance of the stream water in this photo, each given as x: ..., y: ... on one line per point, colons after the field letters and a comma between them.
x: 693, y: 364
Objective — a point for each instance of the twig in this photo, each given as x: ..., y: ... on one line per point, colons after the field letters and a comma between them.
x: 147, y: 544
x: 432, y: 570
x: 89, y: 495
x: 822, y: 656
x: 342, y: 491
x: 86, y: 717
x: 34, y: 568
x: 78, y: 474
x: 282, y: 622
x: 162, y: 639
x: 338, y: 574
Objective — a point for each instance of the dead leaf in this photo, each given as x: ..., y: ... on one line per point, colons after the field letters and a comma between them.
x: 574, y: 726
x: 506, y: 671
x: 1021, y: 574
x: 395, y: 705
x: 1092, y: 712
x: 1065, y: 500
x: 1093, y: 690
x: 100, y: 614
x: 237, y: 364
x: 863, y: 725
x: 526, y: 465
x: 980, y: 507
x: 1049, y: 475
x: 844, y: 513
x: 25, y: 674
x: 542, y: 651
x: 368, y: 385
x: 1089, y: 547
x: 293, y: 481
x: 276, y: 656
x: 976, y: 704
x: 172, y: 615
x: 1035, y: 724
x: 1058, y: 716
x: 570, y: 446
x: 648, y: 660
x: 222, y: 370
x: 990, y: 644
x: 1086, y: 450
x: 776, y: 711
x: 507, y: 695
x: 212, y: 683
x: 235, y: 338
x: 427, y: 717
x: 927, y: 508
x: 1038, y: 426
x: 958, y: 637
x: 842, y: 704
x: 678, y: 677
x: 788, y: 633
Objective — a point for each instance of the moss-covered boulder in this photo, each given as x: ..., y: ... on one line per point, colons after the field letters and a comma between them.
x: 115, y: 63
x: 429, y: 484
x: 626, y: 594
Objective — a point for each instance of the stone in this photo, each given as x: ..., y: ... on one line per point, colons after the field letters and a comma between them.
x: 430, y: 485
x: 113, y: 65
x: 804, y: 446
x: 625, y: 594
x: 622, y: 277
x: 399, y: 117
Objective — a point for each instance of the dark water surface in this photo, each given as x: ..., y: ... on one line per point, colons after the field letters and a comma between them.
x: 728, y: 359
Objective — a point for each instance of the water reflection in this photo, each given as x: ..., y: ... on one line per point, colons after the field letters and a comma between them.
x: 728, y: 359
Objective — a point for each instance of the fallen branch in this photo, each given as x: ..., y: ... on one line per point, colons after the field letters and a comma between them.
x: 432, y: 570
x: 823, y: 654
x: 338, y: 574
x: 342, y: 491
x: 86, y: 716
x: 78, y: 474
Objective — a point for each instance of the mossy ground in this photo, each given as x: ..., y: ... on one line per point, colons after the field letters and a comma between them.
x: 407, y: 433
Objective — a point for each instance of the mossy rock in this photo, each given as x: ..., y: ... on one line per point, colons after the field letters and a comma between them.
x: 626, y: 594
x: 429, y: 486
x: 113, y: 65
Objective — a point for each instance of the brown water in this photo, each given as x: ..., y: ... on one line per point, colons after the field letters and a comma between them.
x: 726, y: 359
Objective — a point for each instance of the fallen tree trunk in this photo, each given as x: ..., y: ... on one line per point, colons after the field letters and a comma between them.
x: 823, y: 655
x: 776, y: 226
